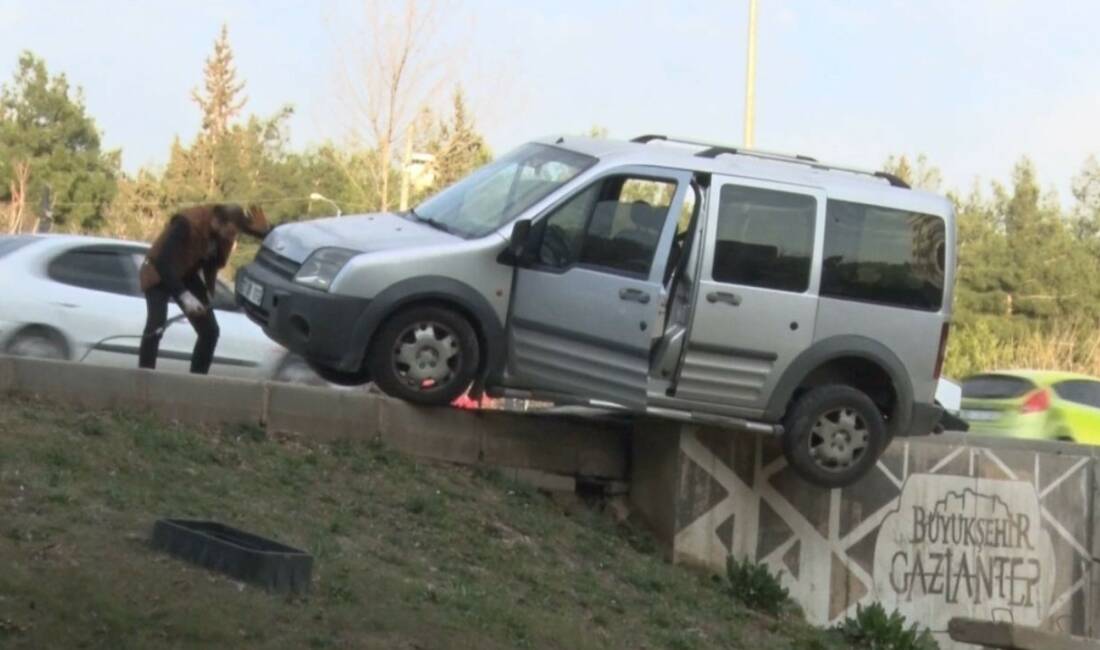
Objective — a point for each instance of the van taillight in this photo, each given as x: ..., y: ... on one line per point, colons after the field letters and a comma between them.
x: 943, y: 349
x: 1037, y: 403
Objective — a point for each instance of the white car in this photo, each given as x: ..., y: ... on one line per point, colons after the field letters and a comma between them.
x: 78, y: 298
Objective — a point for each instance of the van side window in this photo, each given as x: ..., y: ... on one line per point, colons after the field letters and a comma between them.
x: 613, y: 225
x: 882, y: 255
x: 765, y: 238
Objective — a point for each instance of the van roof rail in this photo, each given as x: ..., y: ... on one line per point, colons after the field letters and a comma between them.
x: 650, y: 137
x: 715, y: 150
x: 711, y: 150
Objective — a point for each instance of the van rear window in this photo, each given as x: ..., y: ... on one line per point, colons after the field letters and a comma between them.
x: 885, y: 256
x: 995, y: 387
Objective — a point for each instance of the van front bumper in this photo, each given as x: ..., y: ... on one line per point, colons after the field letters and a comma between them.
x: 317, y: 325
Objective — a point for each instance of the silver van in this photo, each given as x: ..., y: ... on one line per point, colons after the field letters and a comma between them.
x: 671, y: 278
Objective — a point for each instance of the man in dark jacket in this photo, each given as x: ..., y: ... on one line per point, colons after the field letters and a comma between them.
x: 183, y: 265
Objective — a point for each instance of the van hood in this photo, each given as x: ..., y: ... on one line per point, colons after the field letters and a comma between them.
x: 365, y: 233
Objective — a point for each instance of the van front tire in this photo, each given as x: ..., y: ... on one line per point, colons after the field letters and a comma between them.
x: 833, y: 435
x: 426, y: 355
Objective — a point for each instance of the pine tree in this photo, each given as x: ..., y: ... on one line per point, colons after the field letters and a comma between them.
x: 1086, y: 212
x: 221, y: 102
x: 457, y: 146
x: 1021, y: 208
x: 921, y: 174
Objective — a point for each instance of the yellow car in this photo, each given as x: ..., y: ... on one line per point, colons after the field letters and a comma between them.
x: 1040, y: 405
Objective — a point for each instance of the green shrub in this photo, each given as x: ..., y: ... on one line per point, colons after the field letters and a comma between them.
x: 981, y: 344
x: 874, y: 629
x: 755, y: 586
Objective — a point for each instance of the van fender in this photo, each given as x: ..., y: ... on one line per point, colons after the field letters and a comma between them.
x: 836, y: 347
x: 432, y: 288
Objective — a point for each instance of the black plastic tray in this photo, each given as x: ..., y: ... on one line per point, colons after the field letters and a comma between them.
x: 244, y: 556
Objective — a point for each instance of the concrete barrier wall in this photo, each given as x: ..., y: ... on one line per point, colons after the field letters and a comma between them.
x: 942, y: 527
x: 557, y: 447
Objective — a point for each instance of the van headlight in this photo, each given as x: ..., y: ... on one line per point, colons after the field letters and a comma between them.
x: 322, y: 266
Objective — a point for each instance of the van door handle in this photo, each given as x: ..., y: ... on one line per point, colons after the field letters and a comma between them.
x: 731, y: 299
x: 636, y: 295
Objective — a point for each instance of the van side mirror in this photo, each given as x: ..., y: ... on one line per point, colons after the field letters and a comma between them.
x: 517, y: 244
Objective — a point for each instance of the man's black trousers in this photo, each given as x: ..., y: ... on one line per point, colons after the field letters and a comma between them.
x: 206, y: 326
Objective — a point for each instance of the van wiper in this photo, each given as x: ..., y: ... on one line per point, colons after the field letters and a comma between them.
x: 434, y: 223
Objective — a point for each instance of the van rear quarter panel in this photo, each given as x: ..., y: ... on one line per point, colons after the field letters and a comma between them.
x: 914, y: 336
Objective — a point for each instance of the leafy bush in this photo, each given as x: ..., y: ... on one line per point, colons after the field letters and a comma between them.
x: 755, y: 586
x: 985, y: 344
x: 874, y: 629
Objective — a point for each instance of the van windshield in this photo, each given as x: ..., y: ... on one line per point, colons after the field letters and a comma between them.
x: 500, y: 191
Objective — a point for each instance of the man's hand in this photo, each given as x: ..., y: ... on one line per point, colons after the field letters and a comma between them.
x: 191, y: 305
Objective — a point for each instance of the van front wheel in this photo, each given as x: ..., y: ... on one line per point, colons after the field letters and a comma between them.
x: 426, y: 355
x: 833, y: 435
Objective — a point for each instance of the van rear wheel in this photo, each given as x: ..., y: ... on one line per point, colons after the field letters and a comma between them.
x: 833, y: 435
x: 426, y: 355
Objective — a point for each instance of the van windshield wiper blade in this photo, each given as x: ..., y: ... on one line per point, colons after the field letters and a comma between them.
x: 434, y: 223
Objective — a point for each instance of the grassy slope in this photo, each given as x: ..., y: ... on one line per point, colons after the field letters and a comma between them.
x: 407, y: 555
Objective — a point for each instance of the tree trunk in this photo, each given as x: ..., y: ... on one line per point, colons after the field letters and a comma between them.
x: 405, y: 161
x: 384, y: 170
x: 17, y: 207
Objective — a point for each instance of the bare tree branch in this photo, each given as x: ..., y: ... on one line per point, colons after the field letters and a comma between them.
x: 399, y: 67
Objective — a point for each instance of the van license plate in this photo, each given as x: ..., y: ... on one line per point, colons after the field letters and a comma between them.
x: 250, y: 291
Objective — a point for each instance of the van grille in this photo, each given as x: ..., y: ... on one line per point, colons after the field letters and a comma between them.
x: 280, y: 265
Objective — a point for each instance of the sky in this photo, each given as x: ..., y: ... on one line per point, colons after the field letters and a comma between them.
x: 974, y: 85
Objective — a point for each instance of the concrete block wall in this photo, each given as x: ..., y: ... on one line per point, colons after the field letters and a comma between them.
x: 549, y: 451
x: 321, y: 413
x: 943, y: 526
